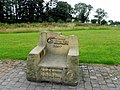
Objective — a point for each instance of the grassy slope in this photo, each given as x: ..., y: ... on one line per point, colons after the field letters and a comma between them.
x: 96, y: 46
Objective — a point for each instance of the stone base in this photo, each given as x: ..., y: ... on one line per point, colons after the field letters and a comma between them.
x: 55, y: 75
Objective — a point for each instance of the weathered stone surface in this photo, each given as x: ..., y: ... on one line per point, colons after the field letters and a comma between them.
x: 55, y: 59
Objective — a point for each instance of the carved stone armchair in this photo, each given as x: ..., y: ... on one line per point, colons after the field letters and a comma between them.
x: 54, y: 59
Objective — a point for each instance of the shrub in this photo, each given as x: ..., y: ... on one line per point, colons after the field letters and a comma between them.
x: 45, y: 24
x: 93, y: 21
x: 80, y: 24
x: 60, y: 21
x: 103, y: 22
x: 68, y: 20
x: 50, y: 19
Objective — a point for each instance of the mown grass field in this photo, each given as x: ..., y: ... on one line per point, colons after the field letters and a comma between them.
x: 96, y: 46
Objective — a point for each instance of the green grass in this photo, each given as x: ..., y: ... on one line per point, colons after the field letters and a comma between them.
x: 96, y: 46
x: 17, y: 45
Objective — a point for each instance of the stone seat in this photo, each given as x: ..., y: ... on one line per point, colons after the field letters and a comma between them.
x: 54, y: 59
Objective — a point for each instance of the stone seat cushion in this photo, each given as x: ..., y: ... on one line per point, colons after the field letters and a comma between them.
x: 53, y: 61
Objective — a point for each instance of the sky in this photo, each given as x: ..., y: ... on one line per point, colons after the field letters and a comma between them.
x: 110, y: 6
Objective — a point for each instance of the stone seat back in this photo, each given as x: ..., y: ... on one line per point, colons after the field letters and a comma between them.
x: 55, y: 43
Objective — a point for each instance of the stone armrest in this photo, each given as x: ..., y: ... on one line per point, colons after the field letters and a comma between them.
x: 73, y: 52
x: 72, y: 65
x: 33, y: 60
x: 73, y: 57
x: 37, y: 50
x: 36, y: 54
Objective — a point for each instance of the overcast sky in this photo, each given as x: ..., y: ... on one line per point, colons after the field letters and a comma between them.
x: 110, y: 6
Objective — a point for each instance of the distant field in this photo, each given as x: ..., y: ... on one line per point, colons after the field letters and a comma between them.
x: 34, y: 27
x: 96, y: 46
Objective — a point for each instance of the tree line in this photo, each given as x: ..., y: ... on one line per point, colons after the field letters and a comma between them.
x: 19, y: 11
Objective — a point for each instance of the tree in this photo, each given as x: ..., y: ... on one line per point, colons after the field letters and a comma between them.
x: 82, y: 11
x: 100, y: 15
x: 12, y: 11
x: 7, y: 10
x: 116, y: 23
x: 30, y: 10
x: 53, y: 3
x: 64, y: 10
x: 110, y: 22
x: 1, y: 11
x: 103, y: 22
x: 93, y: 21
x: 61, y: 11
x: 49, y: 6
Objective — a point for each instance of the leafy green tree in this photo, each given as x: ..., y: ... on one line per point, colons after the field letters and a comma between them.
x: 103, y: 22
x: 110, y: 22
x: 93, y: 21
x: 12, y: 11
x: 53, y: 3
x: 82, y: 11
x: 60, y: 21
x: 116, y: 23
x: 100, y: 15
x: 1, y: 11
x: 61, y: 11
x: 7, y: 12
x: 68, y: 20
x: 50, y: 19
x: 30, y: 10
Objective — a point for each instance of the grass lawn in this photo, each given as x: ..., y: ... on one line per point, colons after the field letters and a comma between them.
x: 96, y: 46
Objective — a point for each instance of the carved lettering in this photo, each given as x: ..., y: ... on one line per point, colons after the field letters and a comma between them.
x: 50, y: 40
x: 55, y: 74
x: 58, y: 42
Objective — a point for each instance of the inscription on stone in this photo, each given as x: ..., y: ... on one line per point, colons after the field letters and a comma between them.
x: 58, y: 42
x: 51, y: 73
